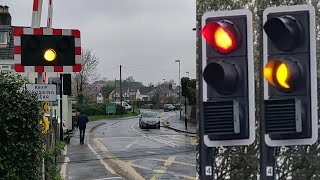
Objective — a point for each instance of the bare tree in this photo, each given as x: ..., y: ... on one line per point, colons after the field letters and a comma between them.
x: 88, y: 74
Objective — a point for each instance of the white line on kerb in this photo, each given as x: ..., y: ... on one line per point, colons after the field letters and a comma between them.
x: 63, y: 170
x: 153, y: 138
x: 101, y: 160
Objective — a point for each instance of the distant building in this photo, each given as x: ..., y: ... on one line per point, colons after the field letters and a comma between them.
x: 143, y: 93
x: 93, y: 90
x: 99, y: 98
x: 115, y: 95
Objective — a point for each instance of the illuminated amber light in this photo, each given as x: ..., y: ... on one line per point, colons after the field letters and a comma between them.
x: 277, y: 74
x: 268, y: 72
x: 282, y: 75
x: 222, y: 39
x: 50, y: 55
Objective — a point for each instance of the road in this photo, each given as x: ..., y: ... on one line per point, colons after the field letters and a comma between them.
x: 148, y: 153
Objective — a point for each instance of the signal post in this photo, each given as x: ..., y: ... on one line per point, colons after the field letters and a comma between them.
x: 227, y: 82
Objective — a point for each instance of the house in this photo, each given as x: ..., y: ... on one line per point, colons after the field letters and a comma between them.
x: 94, y: 89
x: 115, y: 95
x: 143, y: 93
x: 164, y: 91
x: 6, y: 41
x: 131, y: 94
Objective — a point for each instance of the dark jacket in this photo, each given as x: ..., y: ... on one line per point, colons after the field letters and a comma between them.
x: 82, y: 120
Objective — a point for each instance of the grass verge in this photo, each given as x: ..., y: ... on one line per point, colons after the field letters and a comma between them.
x: 99, y: 117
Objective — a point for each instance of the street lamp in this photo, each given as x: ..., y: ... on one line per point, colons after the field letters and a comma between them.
x: 179, y: 86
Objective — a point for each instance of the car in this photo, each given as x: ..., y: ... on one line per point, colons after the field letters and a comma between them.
x: 169, y: 107
x: 149, y: 119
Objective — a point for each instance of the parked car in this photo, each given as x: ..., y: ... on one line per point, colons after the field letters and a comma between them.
x: 169, y: 107
x: 149, y: 119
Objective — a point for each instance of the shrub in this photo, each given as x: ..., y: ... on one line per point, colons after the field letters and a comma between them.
x: 21, y: 140
x: 97, y: 109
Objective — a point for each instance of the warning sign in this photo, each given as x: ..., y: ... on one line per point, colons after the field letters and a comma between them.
x: 45, y: 92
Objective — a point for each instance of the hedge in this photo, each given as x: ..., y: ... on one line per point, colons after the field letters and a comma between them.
x: 97, y: 109
x: 21, y: 140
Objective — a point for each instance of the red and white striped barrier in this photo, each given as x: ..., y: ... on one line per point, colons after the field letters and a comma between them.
x: 36, y: 13
x: 50, y: 12
x: 18, y: 31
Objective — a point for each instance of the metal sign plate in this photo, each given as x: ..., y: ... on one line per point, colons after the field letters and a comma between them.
x: 45, y: 92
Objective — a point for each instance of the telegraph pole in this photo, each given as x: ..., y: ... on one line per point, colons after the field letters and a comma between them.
x: 120, y: 93
x: 115, y: 90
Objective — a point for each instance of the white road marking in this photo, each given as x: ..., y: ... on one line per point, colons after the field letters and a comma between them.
x: 108, y: 178
x: 132, y: 143
x: 101, y: 160
x: 152, y: 137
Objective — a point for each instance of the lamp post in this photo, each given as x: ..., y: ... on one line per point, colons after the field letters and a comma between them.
x: 179, y: 87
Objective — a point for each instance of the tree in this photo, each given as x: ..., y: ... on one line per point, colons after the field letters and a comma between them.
x: 107, y: 89
x: 88, y: 74
x: 190, y: 89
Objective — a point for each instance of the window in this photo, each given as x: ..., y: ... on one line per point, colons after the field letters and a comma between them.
x: 4, y: 68
x: 3, y: 37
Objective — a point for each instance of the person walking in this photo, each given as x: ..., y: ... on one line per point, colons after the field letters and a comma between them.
x: 82, y: 121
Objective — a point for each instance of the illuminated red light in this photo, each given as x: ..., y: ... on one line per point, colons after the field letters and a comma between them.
x: 222, y: 35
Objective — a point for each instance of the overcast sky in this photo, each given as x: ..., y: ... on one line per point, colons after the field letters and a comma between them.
x: 144, y: 36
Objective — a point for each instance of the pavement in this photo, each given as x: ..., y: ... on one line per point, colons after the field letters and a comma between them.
x: 178, y: 124
x: 86, y: 162
x: 82, y: 162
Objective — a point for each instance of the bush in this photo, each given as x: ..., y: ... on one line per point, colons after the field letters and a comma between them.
x: 21, y: 140
x: 97, y: 109
x: 140, y: 104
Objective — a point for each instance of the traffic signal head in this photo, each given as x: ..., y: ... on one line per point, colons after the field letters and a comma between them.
x: 290, y: 97
x: 50, y: 55
x: 47, y: 50
x: 184, y: 86
x: 228, y: 82
x: 288, y: 34
x: 223, y: 35
x: 283, y: 74
x: 66, y: 84
x: 222, y: 76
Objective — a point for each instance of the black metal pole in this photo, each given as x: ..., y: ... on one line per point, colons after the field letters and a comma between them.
x: 267, y: 159
x: 115, y: 90
x: 55, y: 132
x: 206, y: 154
x: 61, y: 129
x: 185, y: 113
x: 120, y: 93
x: 180, y: 90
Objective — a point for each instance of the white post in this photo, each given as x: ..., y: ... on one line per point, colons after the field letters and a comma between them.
x: 35, y: 23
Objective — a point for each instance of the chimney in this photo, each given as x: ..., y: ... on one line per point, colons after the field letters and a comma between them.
x: 6, y: 9
x: 5, y: 17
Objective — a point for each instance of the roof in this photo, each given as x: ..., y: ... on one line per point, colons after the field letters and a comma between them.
x: 145, y: 90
